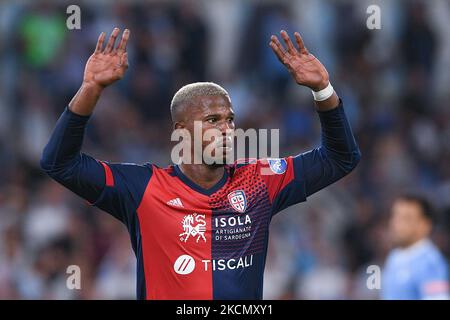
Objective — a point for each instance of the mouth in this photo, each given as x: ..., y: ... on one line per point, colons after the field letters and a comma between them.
x: 225, y: 144
x: 225, y: 150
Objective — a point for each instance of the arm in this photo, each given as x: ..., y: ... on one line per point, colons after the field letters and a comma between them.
x: 61, y: 158
x: 338, y: 153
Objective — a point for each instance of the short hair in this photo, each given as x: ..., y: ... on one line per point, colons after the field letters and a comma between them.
x: 196, y: 89
x: 423, y: 203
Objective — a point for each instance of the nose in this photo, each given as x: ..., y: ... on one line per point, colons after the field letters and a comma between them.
x: 226, y: 126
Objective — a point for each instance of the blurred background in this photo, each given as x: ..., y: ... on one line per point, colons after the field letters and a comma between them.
x: 395, y: 84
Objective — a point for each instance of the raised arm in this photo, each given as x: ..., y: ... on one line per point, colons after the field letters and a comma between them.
x: 338, y: 153
x: 61, y: 158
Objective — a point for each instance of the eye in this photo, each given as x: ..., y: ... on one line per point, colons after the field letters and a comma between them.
x: 211, y: 120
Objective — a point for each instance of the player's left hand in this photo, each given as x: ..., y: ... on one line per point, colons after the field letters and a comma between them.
x: 305, y: 68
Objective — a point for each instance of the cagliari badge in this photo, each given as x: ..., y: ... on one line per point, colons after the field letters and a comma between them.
x: 238, y: 200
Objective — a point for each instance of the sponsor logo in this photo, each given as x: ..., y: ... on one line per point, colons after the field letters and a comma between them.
x: 232, y: 221
x: 185, y: 264
x: 194, y: 225
x: 278, y: 166
x: 238, y: 200
x: 232, y: 228
x: 230, y: 264
x: 175, y: 202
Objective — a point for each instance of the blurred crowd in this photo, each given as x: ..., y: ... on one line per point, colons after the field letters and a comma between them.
x: 395, y: 84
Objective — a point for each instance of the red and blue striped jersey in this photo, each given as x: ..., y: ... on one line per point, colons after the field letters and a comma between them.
x: 191, y: 242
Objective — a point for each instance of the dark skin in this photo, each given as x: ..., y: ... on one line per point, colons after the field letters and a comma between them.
x: 215, y: 112
x: 104, y: 67
x: 108, y: 64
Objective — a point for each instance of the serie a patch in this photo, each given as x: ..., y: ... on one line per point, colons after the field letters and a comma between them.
x: 278, y: 166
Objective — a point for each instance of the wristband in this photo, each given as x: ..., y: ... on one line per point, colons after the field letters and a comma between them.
x: 323, y: 94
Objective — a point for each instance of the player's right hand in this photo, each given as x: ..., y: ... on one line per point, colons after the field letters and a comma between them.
x: 106, y: 66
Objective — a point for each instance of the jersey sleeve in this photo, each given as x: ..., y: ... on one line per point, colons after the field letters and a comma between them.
x: 284, y: 185
x: 124, y: 187
x: 434, y: 280
x: 115, y: 188
x: 292, y: 179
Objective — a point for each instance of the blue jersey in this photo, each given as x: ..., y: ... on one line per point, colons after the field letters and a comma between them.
x: 415, y: 273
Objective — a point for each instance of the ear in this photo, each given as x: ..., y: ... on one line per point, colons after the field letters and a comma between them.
x: 178, y: 125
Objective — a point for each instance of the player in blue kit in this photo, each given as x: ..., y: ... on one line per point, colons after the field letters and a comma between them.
x: 200, y: 231
x: 415, y: 269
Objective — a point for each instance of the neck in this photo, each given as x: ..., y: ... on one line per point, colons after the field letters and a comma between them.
x: 413, y: 243
x: 203, y: 175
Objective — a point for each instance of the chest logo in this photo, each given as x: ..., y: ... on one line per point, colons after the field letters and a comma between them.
x: 175, y: 203
x: 194, y: 225
x: 185, y: 264
x: 238, y: 200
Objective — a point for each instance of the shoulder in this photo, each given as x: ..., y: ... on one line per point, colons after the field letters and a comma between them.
x: 161, y: 171
x: 392, y: 256
x: 432, y: 257
x: 128, y: 168
x: 126, y: 172
x: 264, y: 166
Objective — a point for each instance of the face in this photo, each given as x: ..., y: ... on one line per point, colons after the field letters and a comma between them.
x: 408, y: 224
x: 216, y: 117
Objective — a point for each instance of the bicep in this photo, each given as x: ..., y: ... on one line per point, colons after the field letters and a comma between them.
x: 305, y: 174
x: 83, y: 175
x: 123, y: 190
x: 317, y: 169
x: 284, y: 188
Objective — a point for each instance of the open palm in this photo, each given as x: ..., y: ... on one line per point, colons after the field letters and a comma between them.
x: 105, y: 66
x: 304, y: 67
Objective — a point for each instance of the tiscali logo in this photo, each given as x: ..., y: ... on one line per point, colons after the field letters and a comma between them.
x: 230, y: 264
x: 185, y: 264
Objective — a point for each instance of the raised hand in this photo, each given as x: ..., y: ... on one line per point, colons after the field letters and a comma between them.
x: 302, y: 65
x: 105, y: 66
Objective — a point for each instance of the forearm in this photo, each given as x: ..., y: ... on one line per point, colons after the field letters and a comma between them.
x: 84, y: 101
x: 61, y: 158
x: 337, y: 137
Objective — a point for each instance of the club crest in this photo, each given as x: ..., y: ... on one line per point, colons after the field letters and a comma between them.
x: 238, y: 200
